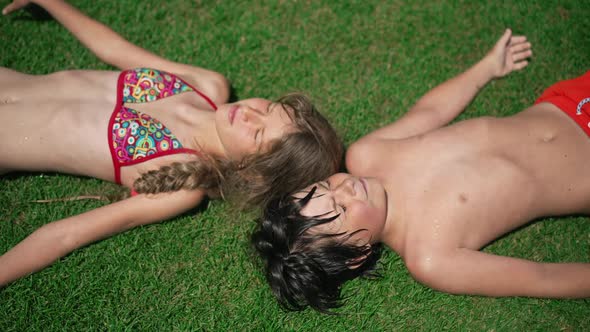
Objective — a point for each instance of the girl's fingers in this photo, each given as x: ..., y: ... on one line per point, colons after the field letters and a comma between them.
x: 15, y: 5
x: 9, y: 8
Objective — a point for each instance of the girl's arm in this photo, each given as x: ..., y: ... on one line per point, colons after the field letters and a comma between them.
x: 59, y: 238
x: 465, y: 271
x: 115, y: 50
x: 445, y: 102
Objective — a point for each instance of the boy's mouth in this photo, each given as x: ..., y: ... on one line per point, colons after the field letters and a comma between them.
x: 232, y: 113
x: 365, y: 186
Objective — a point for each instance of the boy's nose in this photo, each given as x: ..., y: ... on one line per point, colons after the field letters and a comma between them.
x: 346, y: 188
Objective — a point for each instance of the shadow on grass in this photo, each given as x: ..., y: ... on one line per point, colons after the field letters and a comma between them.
x: 233, y: 95
x: 35, y: 13
x: 561, y: 218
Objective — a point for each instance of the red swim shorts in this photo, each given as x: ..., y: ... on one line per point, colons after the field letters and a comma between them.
x: 572, y: 97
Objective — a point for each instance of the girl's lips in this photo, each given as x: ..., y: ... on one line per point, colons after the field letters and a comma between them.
x: 232, y: 113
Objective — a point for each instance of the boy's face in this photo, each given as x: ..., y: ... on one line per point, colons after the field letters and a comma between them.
x: 251, y: 125
x: 361, y: 203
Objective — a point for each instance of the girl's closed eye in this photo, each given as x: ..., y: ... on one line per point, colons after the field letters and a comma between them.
x: 257, y: 136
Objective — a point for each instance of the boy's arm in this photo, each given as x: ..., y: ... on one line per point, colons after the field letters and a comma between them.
x: 59, y: 238
x: 115, y: 50
x: 446, y: 101
x: 465, y: 271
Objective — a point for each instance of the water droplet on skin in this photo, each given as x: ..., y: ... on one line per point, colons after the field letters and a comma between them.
x: 549, y: 137
x: 436, y: 229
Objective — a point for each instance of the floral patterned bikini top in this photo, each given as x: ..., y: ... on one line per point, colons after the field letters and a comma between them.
x: 136, y: 137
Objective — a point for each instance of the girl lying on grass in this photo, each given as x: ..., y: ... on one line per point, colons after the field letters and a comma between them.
x: 161, y: 128
x: 437, y: 194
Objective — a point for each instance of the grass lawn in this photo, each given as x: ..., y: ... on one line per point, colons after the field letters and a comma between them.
x: 364, y: 63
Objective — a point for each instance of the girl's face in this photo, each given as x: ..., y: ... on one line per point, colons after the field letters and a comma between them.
x: 250, y: 126
x: 360, y: 203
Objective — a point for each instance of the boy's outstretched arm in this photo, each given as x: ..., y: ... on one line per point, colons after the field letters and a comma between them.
x: 465, y: 271
x: 59, y: 238
x: 446, y: 101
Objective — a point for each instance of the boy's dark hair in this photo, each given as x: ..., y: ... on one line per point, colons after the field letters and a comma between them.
x: 306, y: 268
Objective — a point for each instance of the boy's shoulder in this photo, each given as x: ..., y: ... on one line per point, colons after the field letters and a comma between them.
x: 369, y: 156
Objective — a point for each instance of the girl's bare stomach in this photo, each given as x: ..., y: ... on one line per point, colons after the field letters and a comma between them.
x: 57, y: 122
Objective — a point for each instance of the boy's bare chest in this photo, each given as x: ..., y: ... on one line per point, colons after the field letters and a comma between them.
x: 465, y: 202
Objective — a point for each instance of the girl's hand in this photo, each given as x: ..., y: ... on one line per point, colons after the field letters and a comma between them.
x: 510, y: 53
x: 15, y: 5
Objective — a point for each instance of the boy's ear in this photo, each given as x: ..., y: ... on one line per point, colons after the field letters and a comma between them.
x: 358, y: 261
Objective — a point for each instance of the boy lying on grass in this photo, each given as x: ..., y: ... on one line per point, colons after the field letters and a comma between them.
x: 437, y: 194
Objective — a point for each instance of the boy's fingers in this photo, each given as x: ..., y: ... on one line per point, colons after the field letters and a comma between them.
x: 505, y: 37
x: 517, y: 40
x: 521, y: 55
x: 520, y: 65
x: 521, y: 47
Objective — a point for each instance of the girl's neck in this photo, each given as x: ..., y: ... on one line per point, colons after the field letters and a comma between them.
x: 203, y: 134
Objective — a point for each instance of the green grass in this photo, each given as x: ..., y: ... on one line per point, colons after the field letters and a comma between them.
x: 364, y: 63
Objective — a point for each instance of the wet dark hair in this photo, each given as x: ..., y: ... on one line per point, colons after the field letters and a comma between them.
x: 307, y: 268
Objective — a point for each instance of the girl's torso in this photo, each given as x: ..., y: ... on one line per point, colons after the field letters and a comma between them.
x: 60, y: 122
x: 467, y: 184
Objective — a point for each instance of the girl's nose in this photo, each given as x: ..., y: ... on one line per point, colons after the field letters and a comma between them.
x: 251, y: 114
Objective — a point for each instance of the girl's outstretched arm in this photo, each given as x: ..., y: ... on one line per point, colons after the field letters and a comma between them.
x: 115, y: 50
x: 464, y: 271
x: 59, y: 238
x: 446, y: 101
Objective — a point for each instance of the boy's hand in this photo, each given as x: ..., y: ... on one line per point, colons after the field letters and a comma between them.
x: 510, y: 53
x: 15, y: 5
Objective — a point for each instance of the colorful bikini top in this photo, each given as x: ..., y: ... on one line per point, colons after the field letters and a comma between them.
x: 136, y: 137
